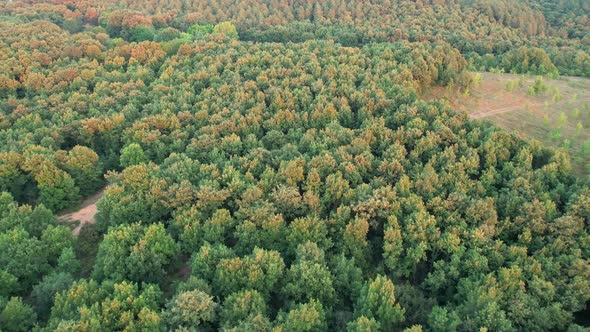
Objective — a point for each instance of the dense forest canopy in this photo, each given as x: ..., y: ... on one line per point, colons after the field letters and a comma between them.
x: 483, y: 30
x: 271, y: 166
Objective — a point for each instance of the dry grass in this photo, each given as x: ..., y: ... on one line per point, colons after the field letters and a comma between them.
x: 554, y: 117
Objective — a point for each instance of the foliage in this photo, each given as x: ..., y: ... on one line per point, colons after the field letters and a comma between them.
x: 132, y: 155
x: 44, y: 293
x: 242, y: 306
x: 17, y: 316
x: 110, y: 306
x: 200, y: 30
x: 304, y: 317
x: 274, y: 166
x: 134, y: 252
x: 141, y: 33
x: 190, y: 309
x: 528, y: 61
x: 377, y: 301
x: 226, y: 28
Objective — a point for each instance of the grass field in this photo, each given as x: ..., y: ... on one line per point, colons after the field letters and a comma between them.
x: 554, y: 111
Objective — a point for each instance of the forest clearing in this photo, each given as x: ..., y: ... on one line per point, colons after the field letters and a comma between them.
x: 83, y: 214
x: 558, y: 115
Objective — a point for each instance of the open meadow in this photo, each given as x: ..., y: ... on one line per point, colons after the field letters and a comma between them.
x: 553, y: 111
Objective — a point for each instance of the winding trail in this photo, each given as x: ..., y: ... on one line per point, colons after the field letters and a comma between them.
x: 85, y: 214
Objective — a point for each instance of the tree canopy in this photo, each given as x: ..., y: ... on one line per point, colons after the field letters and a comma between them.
x: 273, y: 165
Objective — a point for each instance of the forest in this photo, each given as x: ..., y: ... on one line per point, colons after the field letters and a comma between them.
x: 272, y: 165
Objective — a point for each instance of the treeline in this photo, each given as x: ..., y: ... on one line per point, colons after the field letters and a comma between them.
x: 479, y: 29
x: 570, y: 18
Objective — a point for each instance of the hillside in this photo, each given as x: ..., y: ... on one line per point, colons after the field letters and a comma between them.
x: 294, y: 165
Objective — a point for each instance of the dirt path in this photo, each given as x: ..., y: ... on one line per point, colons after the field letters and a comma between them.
x: 489, y: 112
x: 85, y: 214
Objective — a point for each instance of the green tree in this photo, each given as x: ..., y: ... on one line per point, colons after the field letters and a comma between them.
x: 363, y: 324
x: 68, y: 262
x: 219, y: 228
x: 198, y: 30
x: 17, y: 316
x: 131, y: 155
x: 443, y: 320
x: 135, y: 252
x: 242, y: 306
x: 130, y: 198
x: 348, y: 280
x: 226, y: 28
x: 480, y: 307
x: 44, y: 292
x: 377, y: 301
x: 302, y: 230
x: 304, y: 317
x: 141, y: 33
x: 84, y: 166
x: 308, y: 279
x: 39, y: 220
x: 110, y: 307
x: 167, y: 34
x: 57, y: 189
x: 204, y: 262
x: 22, y: 257
x: 262, y: 271
x: 190, y: 309
x: 67, y: 304
x: 55, y: 240
x: 258, y: 323
x: 393, y: 243
x: 8, y: 283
